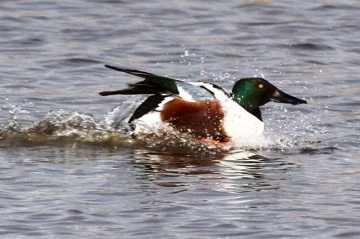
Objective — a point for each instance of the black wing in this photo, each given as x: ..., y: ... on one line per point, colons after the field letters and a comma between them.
x: 153, y: 84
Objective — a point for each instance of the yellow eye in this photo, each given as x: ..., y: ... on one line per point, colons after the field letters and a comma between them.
x: 261, y: 86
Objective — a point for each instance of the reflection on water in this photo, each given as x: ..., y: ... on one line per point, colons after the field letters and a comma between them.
x: 236, y: 169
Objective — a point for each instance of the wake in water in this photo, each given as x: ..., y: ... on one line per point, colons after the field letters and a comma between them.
x: 62, y: 128
x: 59, y: 127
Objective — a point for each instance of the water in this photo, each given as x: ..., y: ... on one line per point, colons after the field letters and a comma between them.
x: 67, y: 172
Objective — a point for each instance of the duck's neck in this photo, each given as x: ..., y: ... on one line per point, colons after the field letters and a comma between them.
x: 254, y: 110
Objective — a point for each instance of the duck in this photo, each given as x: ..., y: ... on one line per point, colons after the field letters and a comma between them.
x: 202, y: 110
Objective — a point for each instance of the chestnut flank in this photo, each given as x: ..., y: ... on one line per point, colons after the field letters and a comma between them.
x: 200, y: 119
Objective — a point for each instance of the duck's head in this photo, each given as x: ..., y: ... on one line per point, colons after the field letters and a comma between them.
x: 251, y: 93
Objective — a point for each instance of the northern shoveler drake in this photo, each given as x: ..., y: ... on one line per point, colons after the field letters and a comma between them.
x: 202, y: 110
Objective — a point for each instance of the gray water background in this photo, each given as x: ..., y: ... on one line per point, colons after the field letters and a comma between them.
x: 65, y: 173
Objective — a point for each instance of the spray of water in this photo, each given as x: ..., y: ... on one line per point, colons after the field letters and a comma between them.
x: 282, y: 129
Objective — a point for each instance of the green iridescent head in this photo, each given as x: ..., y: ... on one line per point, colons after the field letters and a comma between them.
x: 251, y: 93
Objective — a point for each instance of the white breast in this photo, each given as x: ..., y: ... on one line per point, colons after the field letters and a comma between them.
x: 239, y: 124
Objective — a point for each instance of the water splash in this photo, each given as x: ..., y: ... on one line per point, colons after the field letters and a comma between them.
x: 74, y: 128
x: 60, y: 127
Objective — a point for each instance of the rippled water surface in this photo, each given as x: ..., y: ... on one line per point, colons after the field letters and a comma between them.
x: 69, y: 168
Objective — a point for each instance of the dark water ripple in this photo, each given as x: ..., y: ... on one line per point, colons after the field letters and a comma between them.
x: 65, y: 171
